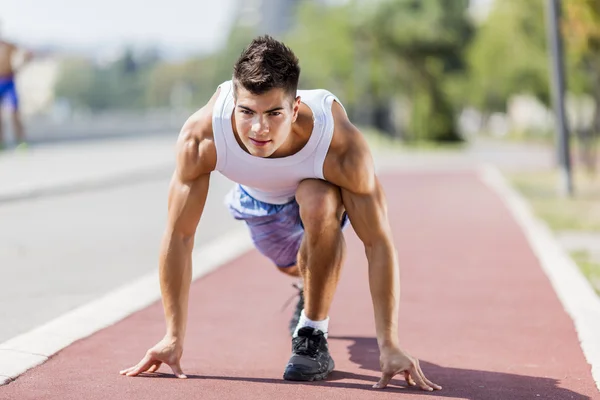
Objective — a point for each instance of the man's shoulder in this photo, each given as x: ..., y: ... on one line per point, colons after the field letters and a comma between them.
x: 196, y: 152
x: 199, y: 124
x: 317, y: 95
x: 195, y: 145
x: 346, y: 138
x: 349, y: 161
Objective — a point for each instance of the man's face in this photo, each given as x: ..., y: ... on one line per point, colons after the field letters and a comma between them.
x: 263, y: 122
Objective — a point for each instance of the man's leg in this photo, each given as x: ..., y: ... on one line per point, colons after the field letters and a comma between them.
x: 320, y: 259
x: 13, y: 100
x: 18, y: 126
x: 4, y: 87
x: 323, y: 247
x: 2, y: 145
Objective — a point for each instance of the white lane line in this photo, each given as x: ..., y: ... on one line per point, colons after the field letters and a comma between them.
x: 574, y: 291
x: 32, y: 348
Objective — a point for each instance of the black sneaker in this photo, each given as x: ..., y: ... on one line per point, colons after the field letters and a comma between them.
x: 310, y: 359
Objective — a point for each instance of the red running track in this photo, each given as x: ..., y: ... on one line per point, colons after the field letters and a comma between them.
x: 476, y: 309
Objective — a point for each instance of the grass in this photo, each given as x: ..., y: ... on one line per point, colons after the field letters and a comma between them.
x: 380, y: 141
x: 579, y: 213
x: 589, y: 267
x: 546, y: 138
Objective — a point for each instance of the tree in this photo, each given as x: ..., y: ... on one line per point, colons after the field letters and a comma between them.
x: 74, y: 81
x: 509, y: 56
x: 120, y: 84
x: 239, y: 37
x: 335, y: 54
x: 322, y: 39
x: 582, y: 34
x: 195, y: 75
x: 424, y: 42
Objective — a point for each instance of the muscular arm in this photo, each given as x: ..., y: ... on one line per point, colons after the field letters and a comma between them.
x: 186, y: 203
x: 368, y: 213
x: 187, y: 196
x: 350, y: 166
x: 196, y: 158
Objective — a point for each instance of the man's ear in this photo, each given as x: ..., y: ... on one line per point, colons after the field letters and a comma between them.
x: 296, y: 108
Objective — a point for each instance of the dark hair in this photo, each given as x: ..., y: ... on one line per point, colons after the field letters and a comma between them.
x: 266, y: 64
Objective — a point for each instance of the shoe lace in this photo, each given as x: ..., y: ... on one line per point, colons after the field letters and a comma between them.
x: 307, y: 343
x: 300, y: 287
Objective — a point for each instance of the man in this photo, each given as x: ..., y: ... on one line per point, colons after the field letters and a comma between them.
x: 8, y: 91
x: 302, y: 170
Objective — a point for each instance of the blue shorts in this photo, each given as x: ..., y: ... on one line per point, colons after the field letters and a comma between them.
x: 8, y: 92
x: 276, y: 229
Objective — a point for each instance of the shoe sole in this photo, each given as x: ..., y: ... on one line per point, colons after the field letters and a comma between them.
x: 292, y: 374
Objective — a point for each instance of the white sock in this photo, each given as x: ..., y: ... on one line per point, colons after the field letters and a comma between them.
x: 323, y: 325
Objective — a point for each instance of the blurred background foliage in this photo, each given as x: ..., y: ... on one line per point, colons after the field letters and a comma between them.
x: 416, y: 70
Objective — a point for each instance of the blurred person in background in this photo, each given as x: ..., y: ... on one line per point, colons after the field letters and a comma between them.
x: 8, y: 89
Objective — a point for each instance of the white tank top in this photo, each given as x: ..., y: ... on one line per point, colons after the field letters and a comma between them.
x: 273, y: 180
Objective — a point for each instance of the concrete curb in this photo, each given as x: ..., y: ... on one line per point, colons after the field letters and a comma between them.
x: 572, y: 288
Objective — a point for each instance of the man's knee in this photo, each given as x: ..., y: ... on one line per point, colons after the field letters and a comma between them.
x: 320, y: 204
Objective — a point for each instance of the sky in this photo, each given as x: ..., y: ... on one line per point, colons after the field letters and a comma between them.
x: 192, y: 25
x: 176, y: 26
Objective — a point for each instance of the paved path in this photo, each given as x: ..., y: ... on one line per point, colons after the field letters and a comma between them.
x: 476, y: 309
x: 61, y: 252
x: 66, y: 167
x: 63, y: 205
x: 76, y: 166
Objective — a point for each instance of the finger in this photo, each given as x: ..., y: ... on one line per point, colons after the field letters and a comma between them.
x: 427, y: 381
x: 383, y: 382
x: 178, y: 371
x: 419, y: 380
x: 126, y: 370
x: 409, y: 379
x: 141, y: 367
x: 154, y: 367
